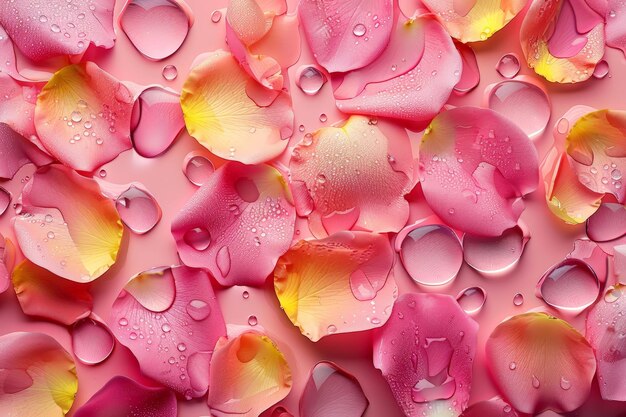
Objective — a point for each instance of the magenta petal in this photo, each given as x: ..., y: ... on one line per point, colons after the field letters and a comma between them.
x: 160, y: 120
x: 44, y: 32
x: 346, y: 34
x: 492, y: 255
x: 607, y: 223
x: 123, y: 397
x: 17, y: 151
x: 470, y: 76
x: 237, y: 224
x: 425, y: 352
x: 92, y: 342
x: 170, y: 320
x: 332, y: 392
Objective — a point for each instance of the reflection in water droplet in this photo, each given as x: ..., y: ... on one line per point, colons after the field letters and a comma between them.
x: 323, y: 118
x: 332, y: 329
x: 508, y: 66
x: 253, y: 321
x: 601, y: 70
x: 198, y: 310
x: 570, y: 285
x: 198, y: 238
x: 181, y: 347
x: 472, y: 299
x: 92, y: 342
x: 197, y: 168
x: 216, y: 16
x: 170, y: 72
x: 359, y: 30
x: 138, y: 210
x: 518, y: 299
x: 223, y: 261
x: 310, y: 80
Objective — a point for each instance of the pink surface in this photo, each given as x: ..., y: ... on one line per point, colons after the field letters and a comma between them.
x: 551, y: 240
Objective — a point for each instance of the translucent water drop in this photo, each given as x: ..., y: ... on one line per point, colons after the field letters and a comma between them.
x: 535, y: 381
x: 310, y: 80
x: 166, y: 328
x: 222, y: 260
x: 565, y: 384
x: 102, y: 173
x: 50, y: 235
x: 359, y: 30
x: 245, y: 295
x: 197, y: 168
x: 508, y: 66
x: 512, y: 366
x: 181, y: 347
x: 571, y: 285
x: 138, y: 210
x: 613, y: 293
x: 492, y: 255
x: 198, y: 310
x: 518, y: 299
x: 601, y: 70
x: 198, y: 238
x: 253, y: 321
x: 472, y: 299
x: 562, y: 126
x: 92, y: 342
x: 323, y: 118
x: 170, y: 72
x: 5, y: 200
x: 216, y: 16
x: 123, y: 322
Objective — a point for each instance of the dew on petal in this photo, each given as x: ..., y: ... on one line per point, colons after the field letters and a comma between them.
x: 5, y: 200
x: 197, y: 168
x: 310, y: 79
x: 601, y: 70
x: 569, y: 286
x: 198, y: 309
x: 170, y: 72
x: 222, y: 260
x: 518, y: 299
x: 153, y: 289
x: 607, y: 223
x: 508, y: 66
x: 252, y: 320
x: 494, y: 254
x: 198, y: 238
x: 92, y: 342
x: 138, y: 210
x: 472, y: 299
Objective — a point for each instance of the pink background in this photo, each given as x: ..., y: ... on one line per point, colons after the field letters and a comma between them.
x: 550, y: 240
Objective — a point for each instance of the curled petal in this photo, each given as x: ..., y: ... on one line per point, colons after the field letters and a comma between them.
x: 237, y: 224
x: 475, y: 165
x: 83, y: 116
x: 44, y: 32
x: 366, y: 190
x: 122, y: 397
x: 248, y: 375
x: 332, y: 392
x: 562, y: 40
x: 66, y: 226
x: 339, y: 284
x: 415, y: 94
x: 37, y: 376
x: 474, y: 20
x: 92, y: 341
x: 425, y: 352
x: 17, y: 151
x: 470, y: 76
x: 43, y: 294
x: 346, y: 34
x: 223, y: 118
x: 169, y: 318
x: 540, y: 362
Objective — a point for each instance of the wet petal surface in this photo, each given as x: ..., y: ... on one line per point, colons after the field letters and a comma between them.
x: 17, y: 151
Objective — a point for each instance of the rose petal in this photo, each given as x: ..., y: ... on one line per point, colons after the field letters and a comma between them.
x: 416, y: 96
x: 470, y: 76
x: 615, y: 28
x: 593, y: 255
x: 160, y: 120
x: 474, y: 20
x: 83, y: 116
x: 17, y: 151
x: 221, y: 116
x: 237, y: 224
x: 81, y: 232
x: 138, y: 19
x: 540, y: 362
x: 17, y: 105
x: 170, y: 320
x: 562, y: 40
x: 332, y: 392
x: 475, y: 166
x: 248, y: 375
x: 37, y: 376
x: 122, y: 397
x: 43, y: 32
x: 276, y: 411
x: 92, y: 342
x: 606, y: 327
x: 425, y: 353
x: 346, y: 34
x: 491, y: 255
x: 7, y: 259
x: 495, y: 407
x: 343, y: 283
x: 366, y: 190
x: 43, y: 294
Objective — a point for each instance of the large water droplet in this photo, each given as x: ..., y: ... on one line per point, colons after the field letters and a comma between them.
x: 153, y: 289
x: 5, y: 200
x: 92, y: 342
x: 571, y: 285
x: 198, y: 238
x: 197, y: 168
x: 156, y: 28
x: 607, y: 223
x: 310, y: 79
x: 362, y: 288
x: 222, y: 260
x: 472, y: 299
x: 170, y: 72
x: 508, y: 66
x: 494, y: 254
x: 432, y: 255
x: 523, y: 103
x: 138, y: 210
x: 198, y: 310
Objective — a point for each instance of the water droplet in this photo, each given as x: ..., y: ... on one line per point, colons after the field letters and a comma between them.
x: 50, y: 235
x: 123, y: 322
x: 247, y: 190
x: 55, y: 28
x: 216, y: 16
x: 138, y: 210
x: 170, y: 72
x: 492, y: 255
x: 571, y: 285
x: 223, y: 261
x: 43, y: 19
x: 472, y: 299
x: 132, y: 336
x: 613, y: 293
x: 601, y: 70
x: 359, y: 30
x: 245, y: 295
x: 166, y: 328
x: 92, y: 342
x: 198, y: 310
x: 310, y: 80
x: 181, y: 347
x: 323, y: 118
x: 512, y: 366
x: 565, y: 384
x: 518, y: 299
x: 508, y: 66
x: 197, y: 168
x: 5, y: 200
x: 198, y: 238
x: 253, y: 321
x: 332, y: 329
x: 102, y: 173
x: 535, y: 382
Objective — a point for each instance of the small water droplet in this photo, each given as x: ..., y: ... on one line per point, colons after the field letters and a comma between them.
x: 512, y: 366
x: 216, y: 16
x: 323, y: 118
x: 253, y: 321
x: 310, y: 80
x: 55, y: 28
x: 359, y: 30
x: 562, y: 126
x: 565, y: 384
x: 123, y: 322
x: 518, y: 299
x: 245, y: 295
x: 198, y: 238
x: 181, y: 347
x: 102, y: 173
x: 166, y: 328
x: 223, y: 260
x: 535, y: 382
x: 50, y: 235
x: 472, y: 299
x: 508, y: 66
x: 601, y: 70
x: 43, y: 18
x: 332, y: 329
x: 170, y: 72
x: 198, y: 310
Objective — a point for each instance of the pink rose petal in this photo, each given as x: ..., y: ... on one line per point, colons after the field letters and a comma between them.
x: 425, y: 352
x: 17, y: 151
x: 492, y: 255
x: 607, y: 223
x: 92, y: 342
x: 470, y: 76
x: 539, y: 362
x: 332, y: 392
x: 495, y: 407
x: 44, y: 32
x: 475, y: 165
x: 17, y: 105
x: 169, y: 318
x: 337, y: 31
x: 7, y: 259
x: 237, y: 224
x: 122, y: 397
x: 615, y: 28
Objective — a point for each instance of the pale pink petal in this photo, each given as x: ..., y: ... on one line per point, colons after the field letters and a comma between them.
x: 237, y: 224
x: 416, y: 96
x: 346, y: 34
x: 139, y: 18
x: 425, y: 352
x: 17, y: 105
x: 491, y: 255
x: 248, y: 20
x: 37, y: 376
x: 67, y: 226
x: 159, y: 121
x: 343, y: 283
x: 606, y: 327
x: 45, y: 31
x: 123, y: 397
x: 92, y: 341
x: 281, y: 42
x: 615, y: 28
x: 332, y: 392
x: 248, y: 375
x: 45, y: 295
x: 366, y: 191
x: 7, y: 259
x: 83, y: 116
x: 495, y: 407
x: 7, y: 56
x: 607, y: 223
x: 475, y: 166
x: 170, y: 320
x: 17, y: 151
x: 540, y: 362
x: 470, y: 76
